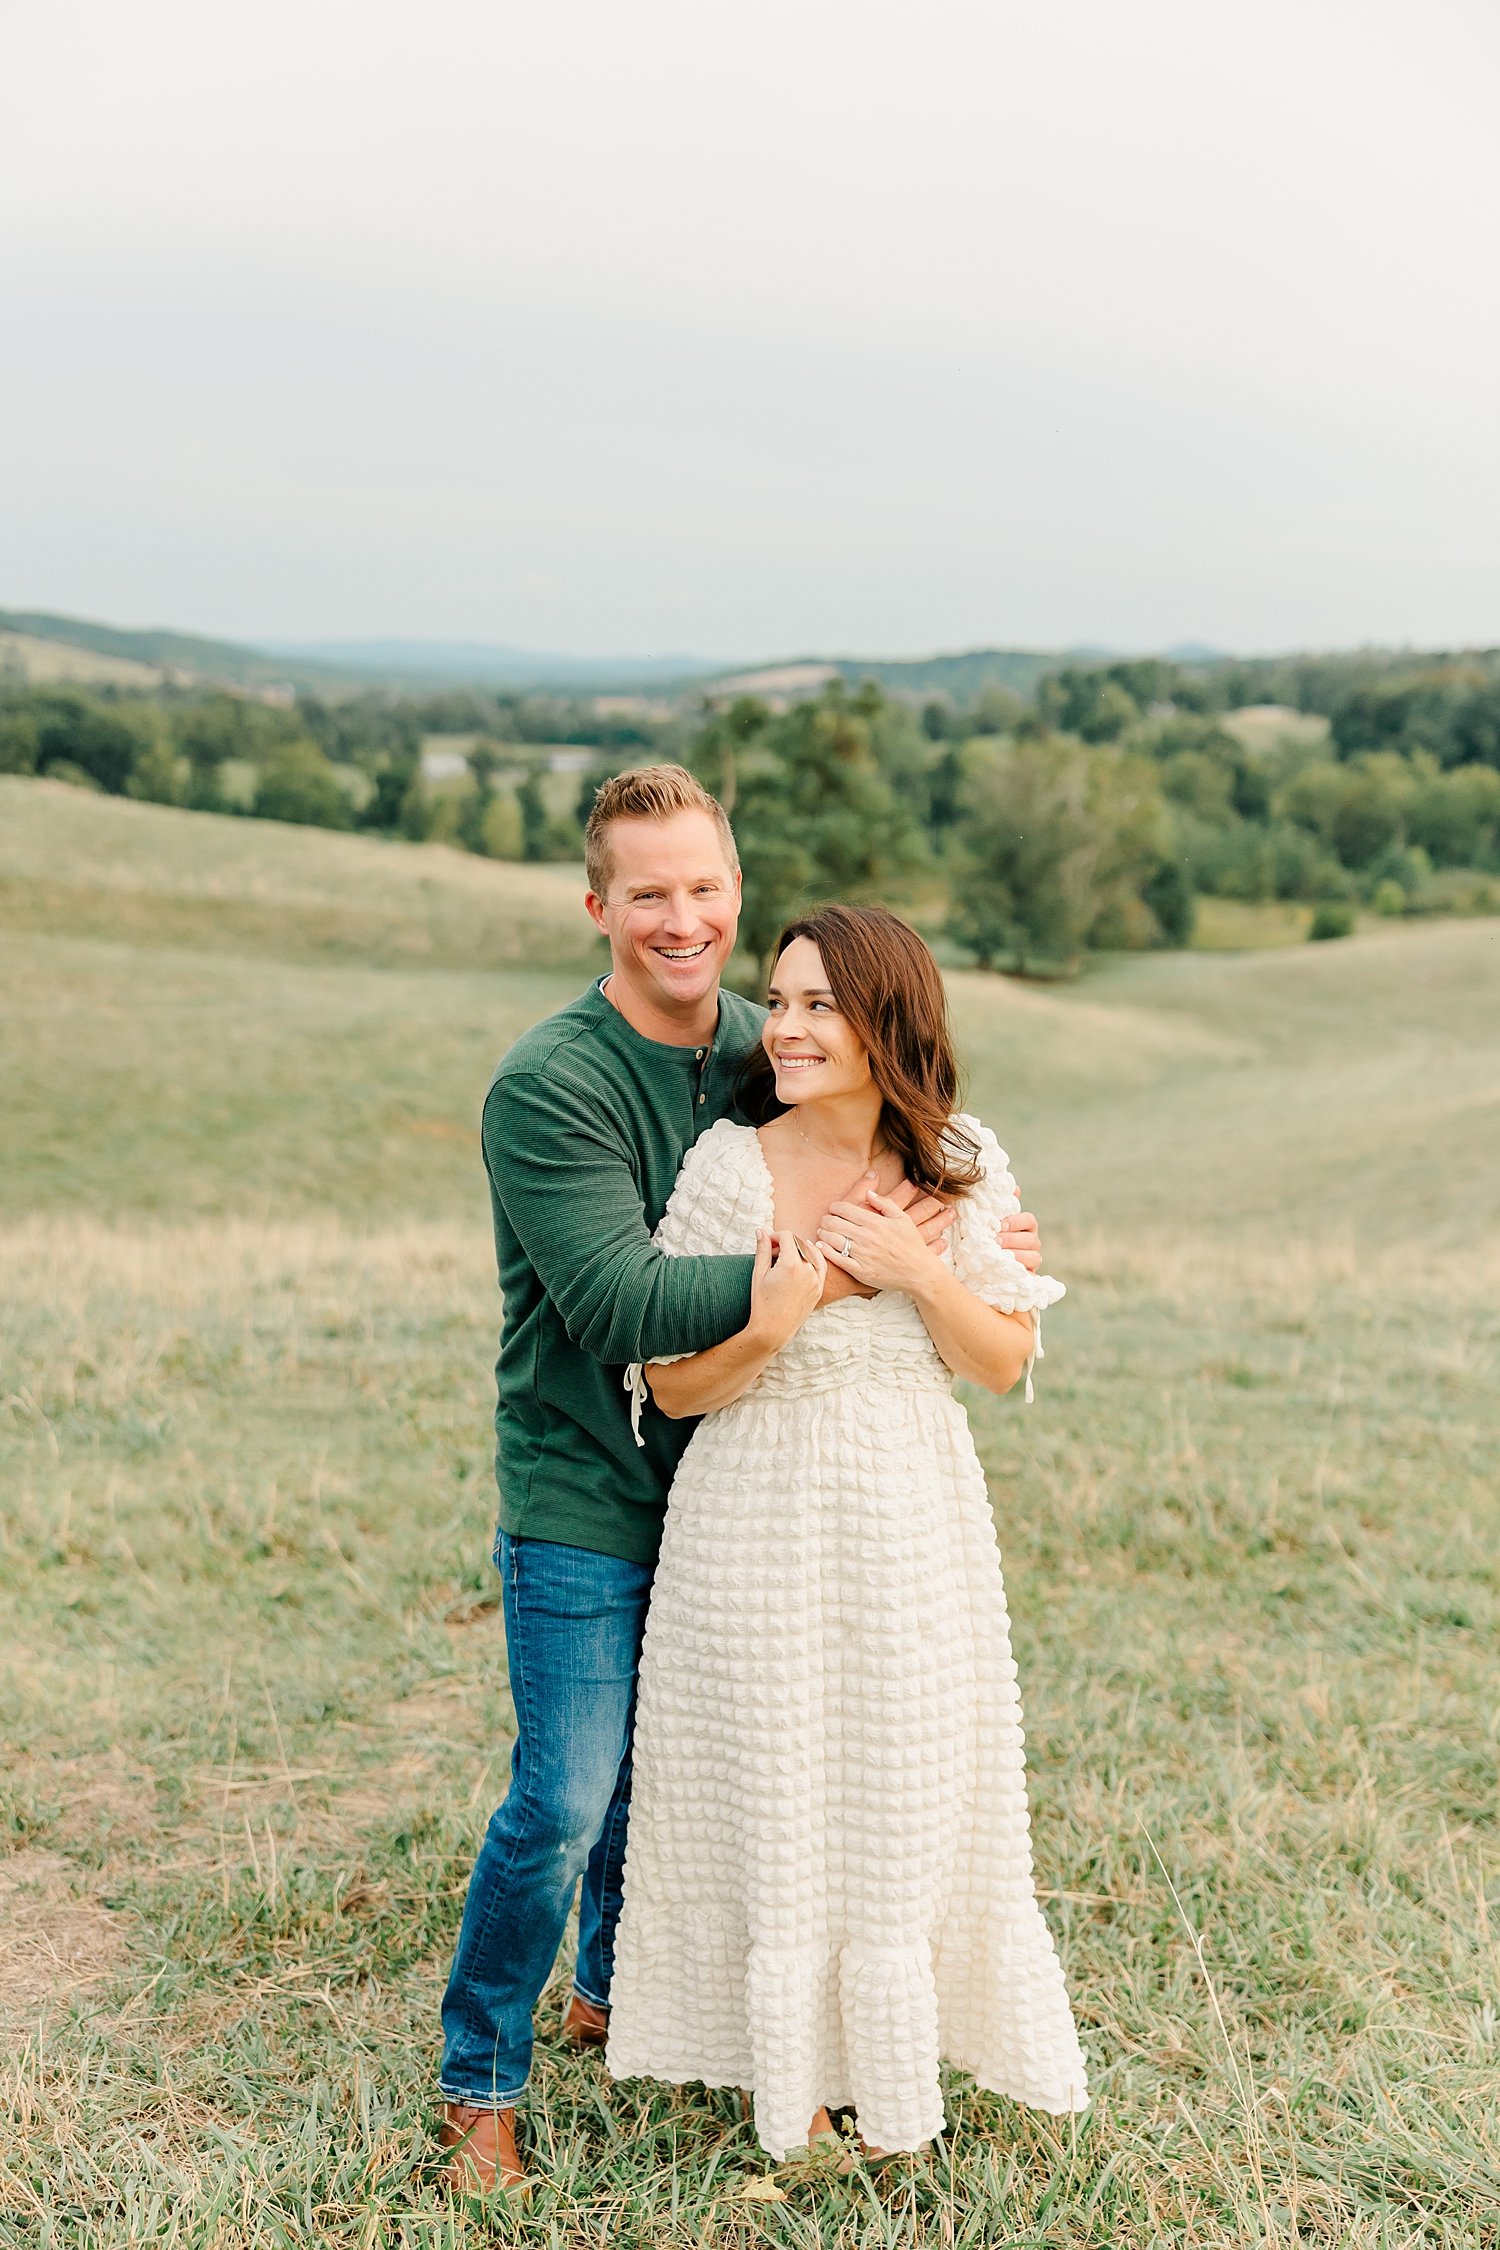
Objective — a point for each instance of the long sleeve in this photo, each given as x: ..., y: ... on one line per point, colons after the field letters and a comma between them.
x: 563, y: 1179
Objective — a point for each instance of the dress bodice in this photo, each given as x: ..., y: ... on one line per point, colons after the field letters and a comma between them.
x: 857, y: 1340
x: 725, y: 1197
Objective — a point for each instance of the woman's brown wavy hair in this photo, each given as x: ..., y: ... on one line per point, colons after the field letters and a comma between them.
x: 885, y: 981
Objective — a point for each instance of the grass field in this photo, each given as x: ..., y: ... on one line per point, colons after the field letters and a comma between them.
x: 251, y: 1673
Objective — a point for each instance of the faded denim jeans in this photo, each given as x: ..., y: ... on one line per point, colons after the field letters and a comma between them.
x: 573, y: 1625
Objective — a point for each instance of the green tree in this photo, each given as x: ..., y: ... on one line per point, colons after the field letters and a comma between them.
x: 535, y: 821
x: 397, y: 805
x: 1026, y: 880
x: 94, y: 742
x: 484, y: 757
x: 719, y: 748
x: 297, y: 783
x: 996, y: 710
x: 1169, y: 893
x: 1359, y: 809
x: 544, y: 835
x: 815, y: 817
x: 1089, y: 702
x: 1136, y: 836
x: 159, y: 776
x: 1455, y: 816
x: 18, y: 741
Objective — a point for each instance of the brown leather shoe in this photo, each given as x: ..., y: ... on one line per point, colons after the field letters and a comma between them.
x: 485, y: 2156
x: 586, y: 2024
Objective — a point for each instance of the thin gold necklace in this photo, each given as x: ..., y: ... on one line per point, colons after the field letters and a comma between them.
x: 880, y: 1149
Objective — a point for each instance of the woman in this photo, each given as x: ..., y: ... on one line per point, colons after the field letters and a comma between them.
x: 828, y: 1879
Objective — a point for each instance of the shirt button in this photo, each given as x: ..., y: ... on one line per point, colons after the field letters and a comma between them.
x: 702, y: 1051
x: 702, y: 1098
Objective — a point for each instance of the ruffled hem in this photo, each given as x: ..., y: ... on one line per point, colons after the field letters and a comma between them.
x: 856, y: 2025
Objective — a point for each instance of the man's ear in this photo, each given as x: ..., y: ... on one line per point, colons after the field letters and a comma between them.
x: 595, y: 905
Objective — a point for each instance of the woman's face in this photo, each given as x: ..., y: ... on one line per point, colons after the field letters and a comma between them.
x: 814, y: 1050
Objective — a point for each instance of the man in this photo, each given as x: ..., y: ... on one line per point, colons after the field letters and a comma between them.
x: 586, y: 1124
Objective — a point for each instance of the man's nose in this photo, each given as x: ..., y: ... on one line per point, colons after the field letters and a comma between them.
x: 682, y: 914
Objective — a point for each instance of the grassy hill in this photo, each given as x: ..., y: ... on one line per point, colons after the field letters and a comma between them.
x: 251, y: 1675
x: 75, y: 863
x: 37, y: 661
x: 961, y: 675
x: 159, y: 650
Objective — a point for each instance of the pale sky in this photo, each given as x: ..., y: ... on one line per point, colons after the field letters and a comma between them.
x: 632, y: 326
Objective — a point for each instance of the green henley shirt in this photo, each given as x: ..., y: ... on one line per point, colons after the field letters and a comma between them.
x: 586, y: 1125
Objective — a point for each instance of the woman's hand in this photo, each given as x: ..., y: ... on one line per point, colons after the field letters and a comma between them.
x: 884, y: 1247
x: 784, y: 1287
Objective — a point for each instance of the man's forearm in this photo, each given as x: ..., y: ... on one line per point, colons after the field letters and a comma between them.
x: 644, y: 1305
x: 571, y: 1198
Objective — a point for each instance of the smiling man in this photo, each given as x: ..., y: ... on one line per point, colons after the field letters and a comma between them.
x: 586, y: 1124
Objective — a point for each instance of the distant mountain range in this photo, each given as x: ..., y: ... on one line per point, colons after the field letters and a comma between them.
x: 33, y: 645
x: 163, y: 652
x: 492, y: 664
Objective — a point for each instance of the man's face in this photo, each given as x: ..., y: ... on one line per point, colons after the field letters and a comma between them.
x: 672, y: 909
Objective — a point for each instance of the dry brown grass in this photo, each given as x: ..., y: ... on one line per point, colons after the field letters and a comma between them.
x: 1252, y: 1585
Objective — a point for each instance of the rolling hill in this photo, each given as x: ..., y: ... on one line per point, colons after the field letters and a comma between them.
x: 163, y: 652
x: 37, y: 639
x: 1352, y: 1091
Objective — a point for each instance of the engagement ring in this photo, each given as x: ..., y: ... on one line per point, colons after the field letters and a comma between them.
x: 848, y: 1249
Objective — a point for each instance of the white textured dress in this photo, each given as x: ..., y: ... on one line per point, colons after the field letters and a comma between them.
x: 828, y: 1875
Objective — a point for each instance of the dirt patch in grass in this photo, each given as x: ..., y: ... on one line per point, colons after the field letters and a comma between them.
x: 103, y: 1802
x: 57, y: 1943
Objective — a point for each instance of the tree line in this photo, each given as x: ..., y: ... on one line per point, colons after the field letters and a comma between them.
x: 355, y: 763
x: 1092, y: 813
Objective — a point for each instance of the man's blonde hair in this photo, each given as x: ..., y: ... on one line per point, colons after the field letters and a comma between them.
x: 651, y: 793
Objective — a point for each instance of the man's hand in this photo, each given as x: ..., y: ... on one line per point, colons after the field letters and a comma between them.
x: 1019, y: 1236
x: 930, y: 1218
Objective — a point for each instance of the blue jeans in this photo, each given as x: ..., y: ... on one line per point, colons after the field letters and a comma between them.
x: 573, y: 1624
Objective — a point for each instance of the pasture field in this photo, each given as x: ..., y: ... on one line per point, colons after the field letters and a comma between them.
x: 252, y: 1687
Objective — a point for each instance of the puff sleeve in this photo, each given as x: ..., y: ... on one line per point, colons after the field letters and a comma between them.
x: 993, y: 1273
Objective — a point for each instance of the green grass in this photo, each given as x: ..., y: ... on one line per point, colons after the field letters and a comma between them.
x: 75, y: 864
x: 1231, y: 925
x: 252, y: 1678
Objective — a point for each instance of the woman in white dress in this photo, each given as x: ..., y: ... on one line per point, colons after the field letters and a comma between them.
x: 828, y: 1879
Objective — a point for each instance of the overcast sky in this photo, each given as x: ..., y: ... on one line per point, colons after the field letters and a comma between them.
x: 632, y: 326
